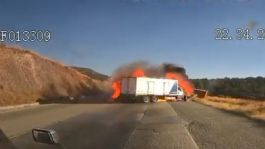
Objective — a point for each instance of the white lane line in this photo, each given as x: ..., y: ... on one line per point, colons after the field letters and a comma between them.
x: 187, y: 131
x: 16, y: 107
x: 195, y: 144
x: 139, y: 118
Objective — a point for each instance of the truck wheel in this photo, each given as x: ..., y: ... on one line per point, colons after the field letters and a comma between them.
x: 146, y: 99
x: 185, y: 98
x: 154, y: 99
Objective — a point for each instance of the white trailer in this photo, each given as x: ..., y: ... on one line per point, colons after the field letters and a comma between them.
x: 150, y: 89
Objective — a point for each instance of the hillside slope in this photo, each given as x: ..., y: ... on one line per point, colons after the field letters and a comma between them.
x: 92, y: 73
x: 26, y: 77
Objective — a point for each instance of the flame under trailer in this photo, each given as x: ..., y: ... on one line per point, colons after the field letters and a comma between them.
x: 145, y: 89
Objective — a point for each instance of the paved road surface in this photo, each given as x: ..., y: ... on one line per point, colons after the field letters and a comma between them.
x: 213, y: 128
x: 94, y: 126
x: 133, y: 126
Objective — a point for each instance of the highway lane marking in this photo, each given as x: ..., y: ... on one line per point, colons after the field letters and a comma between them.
x: 6, y: 109
x: 154, y: 128
x: 196, y: 145
x: 190, y: 136
x: 140, y: 117
x: 185, y: 122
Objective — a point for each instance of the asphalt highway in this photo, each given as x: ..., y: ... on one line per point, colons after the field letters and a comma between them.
x: 134, y: 126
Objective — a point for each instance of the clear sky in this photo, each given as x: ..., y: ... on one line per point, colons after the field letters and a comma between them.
x: 105, y: 34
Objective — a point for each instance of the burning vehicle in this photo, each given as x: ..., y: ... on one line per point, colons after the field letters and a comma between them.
x: 147, y: 89
x: 141, y: 81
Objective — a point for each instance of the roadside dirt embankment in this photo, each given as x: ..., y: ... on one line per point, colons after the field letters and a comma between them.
x: 25, y: 77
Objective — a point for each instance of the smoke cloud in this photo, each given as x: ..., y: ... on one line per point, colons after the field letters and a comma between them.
x: 150, y: 70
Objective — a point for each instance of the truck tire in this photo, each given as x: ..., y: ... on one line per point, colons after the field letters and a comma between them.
x: 185, y: 98
x: 146, y: 99
x: 154, y: 99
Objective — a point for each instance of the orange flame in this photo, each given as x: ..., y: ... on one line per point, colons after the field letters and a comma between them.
x: 183, y: 82
x: 138, y: 72
x: 116, y: 85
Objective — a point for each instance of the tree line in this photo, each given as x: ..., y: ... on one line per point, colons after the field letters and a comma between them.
x: 250, y: 88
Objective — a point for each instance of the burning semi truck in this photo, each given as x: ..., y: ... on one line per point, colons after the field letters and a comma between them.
x: 146, y: 89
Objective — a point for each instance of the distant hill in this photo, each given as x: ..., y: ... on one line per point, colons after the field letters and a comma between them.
x: 91, y: 73
x: 26, y: 77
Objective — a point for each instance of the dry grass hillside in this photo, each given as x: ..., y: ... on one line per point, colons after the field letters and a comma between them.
x: 252, y: 108
x: 26, y: 77
x: 92, y: 73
